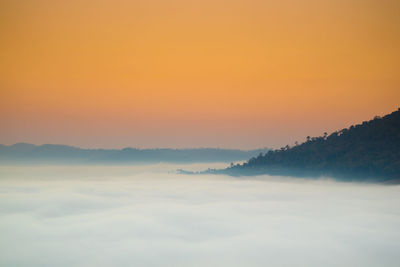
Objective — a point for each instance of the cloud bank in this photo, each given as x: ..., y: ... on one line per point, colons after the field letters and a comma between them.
x: 145, y: 216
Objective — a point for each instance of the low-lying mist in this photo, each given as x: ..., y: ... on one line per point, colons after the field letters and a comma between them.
x: 151, y: 216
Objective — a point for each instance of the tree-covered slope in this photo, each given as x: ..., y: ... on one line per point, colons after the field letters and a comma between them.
x: 370, y: 150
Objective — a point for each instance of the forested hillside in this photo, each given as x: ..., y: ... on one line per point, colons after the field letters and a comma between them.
x: 370, y: 150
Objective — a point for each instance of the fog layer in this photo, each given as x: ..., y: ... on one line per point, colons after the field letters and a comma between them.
x: 150, y: 216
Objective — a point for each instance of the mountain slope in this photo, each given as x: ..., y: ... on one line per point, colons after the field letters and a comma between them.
x: 370, y: 150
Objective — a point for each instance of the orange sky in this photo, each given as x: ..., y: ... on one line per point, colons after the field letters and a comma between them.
x: 179, y: 73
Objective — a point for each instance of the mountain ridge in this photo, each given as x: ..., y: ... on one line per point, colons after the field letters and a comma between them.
x: 366, y: 151
x: 63, y: 154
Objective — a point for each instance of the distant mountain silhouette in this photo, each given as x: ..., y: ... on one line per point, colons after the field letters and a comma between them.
x: 367, y: 151
x: 27, y: 153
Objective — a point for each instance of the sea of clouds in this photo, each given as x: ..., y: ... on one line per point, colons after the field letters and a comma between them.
x: 151, y: 216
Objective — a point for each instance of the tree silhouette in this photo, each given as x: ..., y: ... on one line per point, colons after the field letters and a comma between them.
x: 364, y: 151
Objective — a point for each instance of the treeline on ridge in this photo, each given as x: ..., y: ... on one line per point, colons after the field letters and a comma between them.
x: 370, y: 150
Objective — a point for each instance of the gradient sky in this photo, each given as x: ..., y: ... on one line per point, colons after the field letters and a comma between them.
x: 154, y: 73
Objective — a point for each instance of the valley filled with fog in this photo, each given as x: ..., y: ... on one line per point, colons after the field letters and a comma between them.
x: 151, y: 216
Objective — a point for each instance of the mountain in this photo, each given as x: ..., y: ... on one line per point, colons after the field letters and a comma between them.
x: 61, y: 154
x: 367, y: 151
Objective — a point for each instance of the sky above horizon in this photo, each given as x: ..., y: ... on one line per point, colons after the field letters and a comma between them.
x: 174, y: 73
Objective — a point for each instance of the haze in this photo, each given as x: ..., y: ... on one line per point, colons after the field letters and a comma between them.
x: 150, y: 216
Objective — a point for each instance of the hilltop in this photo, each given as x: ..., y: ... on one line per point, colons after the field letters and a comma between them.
x: 366, y: 151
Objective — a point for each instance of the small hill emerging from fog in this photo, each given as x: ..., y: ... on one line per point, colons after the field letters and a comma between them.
x: 23, y: 153
x: 367, y: 151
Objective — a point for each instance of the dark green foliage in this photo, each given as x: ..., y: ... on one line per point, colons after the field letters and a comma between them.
x: 370, y: 150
